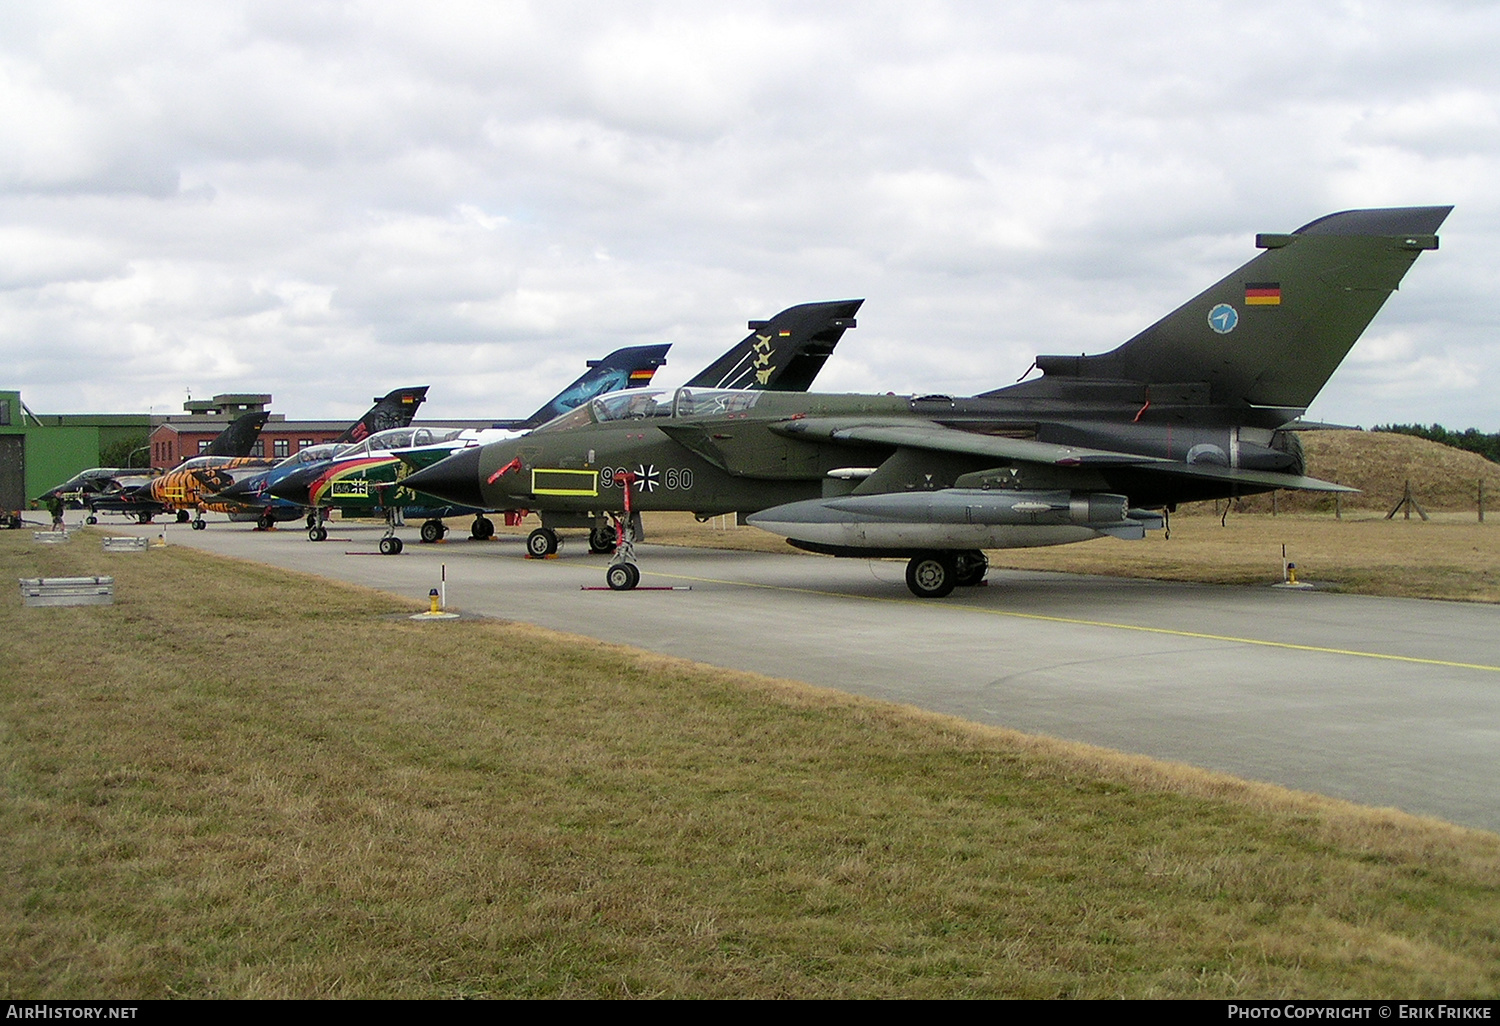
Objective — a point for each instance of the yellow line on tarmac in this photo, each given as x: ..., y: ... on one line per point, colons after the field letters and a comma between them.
x: 927, y: 604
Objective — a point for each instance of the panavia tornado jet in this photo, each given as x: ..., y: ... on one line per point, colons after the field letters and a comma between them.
x: 117, y: 490
x: 198, y: 483
x: 785, y: 352
x: 1198, y: 406
x: 364, y: 479
x: 246, y: 494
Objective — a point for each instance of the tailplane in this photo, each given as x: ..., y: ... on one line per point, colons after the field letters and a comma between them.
x: 393, y: 410
x: 785, y: 353
x: 1273, y: 332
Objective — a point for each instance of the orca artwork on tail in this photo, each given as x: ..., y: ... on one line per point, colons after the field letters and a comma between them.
x: 631, y: 367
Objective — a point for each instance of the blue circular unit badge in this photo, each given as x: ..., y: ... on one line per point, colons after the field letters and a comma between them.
x: 1223, y: 318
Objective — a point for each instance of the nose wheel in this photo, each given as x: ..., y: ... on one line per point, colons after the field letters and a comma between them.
x: 622, y: 576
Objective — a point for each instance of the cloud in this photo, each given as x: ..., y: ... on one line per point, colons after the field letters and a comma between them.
x: 325, y: 200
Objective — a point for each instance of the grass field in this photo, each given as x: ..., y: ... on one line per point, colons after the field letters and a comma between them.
x: 242, y: 782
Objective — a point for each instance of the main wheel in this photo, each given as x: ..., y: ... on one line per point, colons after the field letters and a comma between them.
x: 266, y: 522
x: 182, y: 516
x: 622, y: 576
x: 483, y: 529
x: 541, y: 543
x: 433, y: 531
x: 601, y: 540
x: 318, y: 533
x: 932, y: 575
x: 971, y: 567
x: 144, y: 518
x: 199, y: 525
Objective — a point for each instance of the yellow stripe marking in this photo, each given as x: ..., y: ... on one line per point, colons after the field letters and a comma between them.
x: 1078, y: 622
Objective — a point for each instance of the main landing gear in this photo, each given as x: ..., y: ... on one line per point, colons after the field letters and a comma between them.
x: 936, y: 574
x: 182, y: 516
x: 483, y: 528
x: 433, y: 530
x: 541, y: 543
x: 602, y: 538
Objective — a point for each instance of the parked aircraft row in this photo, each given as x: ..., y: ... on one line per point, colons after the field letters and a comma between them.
x: 1203, y: 404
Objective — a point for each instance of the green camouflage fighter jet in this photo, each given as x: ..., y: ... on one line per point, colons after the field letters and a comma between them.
x: 1200, y: 405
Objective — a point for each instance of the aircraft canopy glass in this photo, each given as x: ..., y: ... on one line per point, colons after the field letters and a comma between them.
x: 637, y: 404
x: 402, y: 438
x: 702, y: 402
x: 632, y: 404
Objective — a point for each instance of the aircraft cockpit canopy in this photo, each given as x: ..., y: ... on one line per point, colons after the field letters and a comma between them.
x: 403, y: 438
x: 312, y: 454
x: 637, y: 404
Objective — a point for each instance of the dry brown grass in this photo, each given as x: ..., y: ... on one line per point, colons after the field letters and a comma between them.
x: 243, y: 782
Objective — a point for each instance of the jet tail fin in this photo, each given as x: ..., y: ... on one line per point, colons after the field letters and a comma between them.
x: 631, y: 367
x: 395, y: 409
x: 785, y: 353
x: 239, y: 437
x: 1273, y: 332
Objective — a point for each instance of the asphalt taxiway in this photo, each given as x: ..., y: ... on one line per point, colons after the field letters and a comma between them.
x: 1388, y: 702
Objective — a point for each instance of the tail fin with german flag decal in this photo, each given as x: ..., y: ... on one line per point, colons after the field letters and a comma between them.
x: 1273, y: 332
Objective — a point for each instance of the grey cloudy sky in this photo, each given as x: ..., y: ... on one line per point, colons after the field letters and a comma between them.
x: 327, y: 200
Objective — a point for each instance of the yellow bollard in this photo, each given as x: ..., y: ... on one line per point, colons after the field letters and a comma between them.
x: 1291, y: 573
x: 432, y: 598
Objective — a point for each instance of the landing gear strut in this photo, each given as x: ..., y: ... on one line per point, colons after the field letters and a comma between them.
x: 390, y: 545
x: 623, y: 574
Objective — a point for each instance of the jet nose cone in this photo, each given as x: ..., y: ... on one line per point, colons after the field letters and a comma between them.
x: 240, y: 490
x: 455, y: 479
x: 293, y: 487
